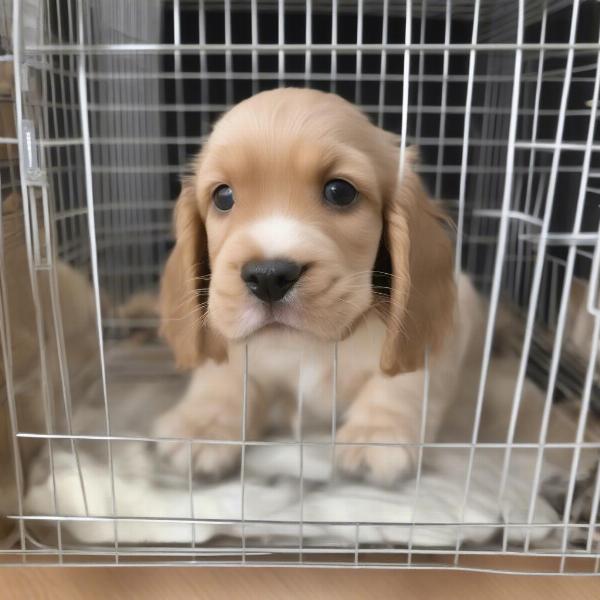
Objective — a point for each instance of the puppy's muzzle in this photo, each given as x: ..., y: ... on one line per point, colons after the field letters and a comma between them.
x: 271, y: 280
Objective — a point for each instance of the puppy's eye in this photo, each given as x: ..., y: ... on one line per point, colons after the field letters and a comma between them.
x: 223, y: 198
x: 339, y: 193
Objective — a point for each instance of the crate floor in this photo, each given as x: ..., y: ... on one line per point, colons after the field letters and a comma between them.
x: 286, y: 489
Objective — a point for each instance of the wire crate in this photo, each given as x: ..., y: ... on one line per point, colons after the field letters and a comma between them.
x: 103, y: 102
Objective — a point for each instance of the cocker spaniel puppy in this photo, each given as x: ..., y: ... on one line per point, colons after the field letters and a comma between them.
x: 299, y: 228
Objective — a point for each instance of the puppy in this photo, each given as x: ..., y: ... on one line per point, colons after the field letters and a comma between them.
x: 299, y: 228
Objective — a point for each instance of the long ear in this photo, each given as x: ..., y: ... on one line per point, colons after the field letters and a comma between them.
x: 422, y: 298
x: 184, y: 289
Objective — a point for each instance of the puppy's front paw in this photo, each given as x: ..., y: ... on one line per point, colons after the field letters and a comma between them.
x: 383, y: 465
x: 207, y: 460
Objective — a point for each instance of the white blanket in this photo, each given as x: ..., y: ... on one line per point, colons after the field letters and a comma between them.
x: 274, y: 502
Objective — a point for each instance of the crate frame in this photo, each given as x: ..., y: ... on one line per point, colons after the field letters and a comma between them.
x: 512, y: 230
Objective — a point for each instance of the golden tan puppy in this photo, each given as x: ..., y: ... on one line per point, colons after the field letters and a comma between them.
x: 25, y: 375
x: 297, y: 229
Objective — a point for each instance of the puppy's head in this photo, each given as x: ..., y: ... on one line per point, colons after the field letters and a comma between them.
x: 294, y: 199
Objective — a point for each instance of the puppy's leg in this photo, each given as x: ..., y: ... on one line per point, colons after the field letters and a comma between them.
x: 388, y: 410
x: 211, y: 409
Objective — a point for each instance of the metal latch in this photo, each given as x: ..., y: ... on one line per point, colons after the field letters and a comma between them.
x: 29, y: 151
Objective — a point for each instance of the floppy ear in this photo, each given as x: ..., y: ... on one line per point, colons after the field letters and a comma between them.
x: 184, y: 289
x: 422, y: 297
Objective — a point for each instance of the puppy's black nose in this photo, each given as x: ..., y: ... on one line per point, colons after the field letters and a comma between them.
x: 270, y: 280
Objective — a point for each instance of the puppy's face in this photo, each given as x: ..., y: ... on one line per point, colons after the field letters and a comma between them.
x: 281, y: 223
x: 290, y: 195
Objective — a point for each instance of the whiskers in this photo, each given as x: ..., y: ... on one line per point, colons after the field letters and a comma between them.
x: 382, y: 298
x: 199, y: 288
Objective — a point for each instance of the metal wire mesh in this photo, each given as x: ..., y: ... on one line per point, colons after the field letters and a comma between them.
x: 111, y: 99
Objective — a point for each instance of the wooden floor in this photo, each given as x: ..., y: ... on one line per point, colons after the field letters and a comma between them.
x: 266, y: 584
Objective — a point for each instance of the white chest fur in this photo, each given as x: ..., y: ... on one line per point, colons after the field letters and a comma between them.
x: 316, y: 377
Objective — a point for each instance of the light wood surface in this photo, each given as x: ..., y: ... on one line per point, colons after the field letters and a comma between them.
x: 266, y: 584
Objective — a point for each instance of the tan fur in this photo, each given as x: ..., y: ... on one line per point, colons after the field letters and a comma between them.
x: 184, y: 281
x: 422, y: 301
x: 579, y: 329
x: 277, y: 150
x: 23, y: 376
